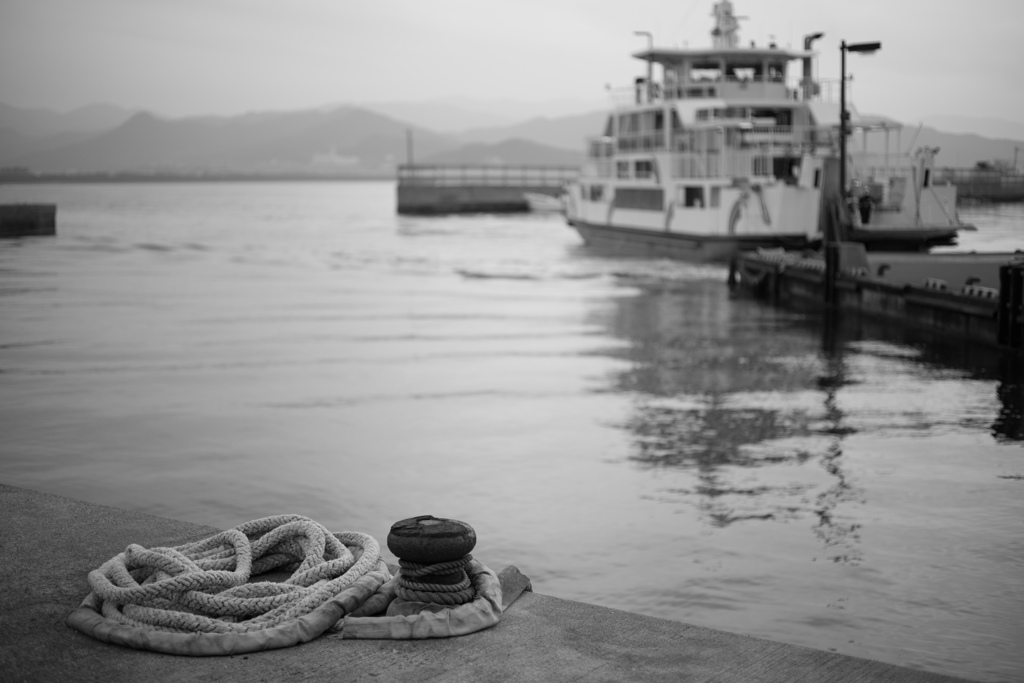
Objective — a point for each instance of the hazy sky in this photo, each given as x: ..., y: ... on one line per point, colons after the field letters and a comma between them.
x: 180, y: 57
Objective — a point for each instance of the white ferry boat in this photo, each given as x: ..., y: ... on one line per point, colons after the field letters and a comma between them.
x: 729, y: 151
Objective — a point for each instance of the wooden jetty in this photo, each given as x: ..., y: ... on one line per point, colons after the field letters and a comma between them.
x: 28, y: 220
x: 978, y: 297
x: 444, y: 189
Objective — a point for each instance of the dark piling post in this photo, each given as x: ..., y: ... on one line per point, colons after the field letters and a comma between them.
x: 1011, y: 306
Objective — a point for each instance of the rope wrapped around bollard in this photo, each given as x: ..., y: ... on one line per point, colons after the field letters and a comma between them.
x: 441, y: 590
x: 198, y: 598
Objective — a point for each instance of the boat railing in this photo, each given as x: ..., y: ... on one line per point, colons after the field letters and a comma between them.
x: 884, y: 166
x: 823, y: 90
x: 641, y: 142
x: 811, y: 137
x: 486, y: 175
x: 827, y: 90
x: 773, y: 139
x: 661, y: 92
x: 721, y: 164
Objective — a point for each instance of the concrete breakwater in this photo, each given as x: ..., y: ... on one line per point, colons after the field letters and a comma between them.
x: 980, y: 185
x: 50, y: 543
x: 476, y: 189
x: 28, y: 220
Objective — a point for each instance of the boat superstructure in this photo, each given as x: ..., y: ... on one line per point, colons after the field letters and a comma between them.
x: 732, y: 150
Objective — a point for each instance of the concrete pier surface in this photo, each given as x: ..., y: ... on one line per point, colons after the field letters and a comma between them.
x: 48, y: 545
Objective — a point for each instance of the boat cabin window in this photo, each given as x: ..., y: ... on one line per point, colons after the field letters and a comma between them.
x: 705, y: 73
x: 640, y: 198
x: 643, y: 169
x: 777, y: 73
x: 817, y: 177
x: 641, y: 130
x: 595, y: 193
x: 691, y: 196
x: 622, y: 169
x: 761, y: 115
x: 786, y: 168
x: 772, y: 117
x: 742, y: 73
x: 927, y: 177
x: 601, y: 147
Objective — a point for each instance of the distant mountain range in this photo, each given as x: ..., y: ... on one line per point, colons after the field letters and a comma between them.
x: 350, y: 140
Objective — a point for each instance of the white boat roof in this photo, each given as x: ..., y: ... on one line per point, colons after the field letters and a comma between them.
x: 732, y: 55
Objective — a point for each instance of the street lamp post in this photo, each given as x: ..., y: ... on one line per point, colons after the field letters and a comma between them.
x: 650, y: 62
x: 831, y: 245
x: 844, y: 116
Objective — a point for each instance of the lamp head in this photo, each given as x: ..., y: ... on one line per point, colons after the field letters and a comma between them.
x: 866, y: 48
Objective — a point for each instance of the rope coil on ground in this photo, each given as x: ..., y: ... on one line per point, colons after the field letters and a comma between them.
x: 202, y: 586
x: 197, y: 598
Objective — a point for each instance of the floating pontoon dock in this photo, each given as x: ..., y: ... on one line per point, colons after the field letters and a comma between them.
x: 979, y: 297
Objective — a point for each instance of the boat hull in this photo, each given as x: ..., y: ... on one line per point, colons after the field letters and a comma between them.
x: 679, y: 246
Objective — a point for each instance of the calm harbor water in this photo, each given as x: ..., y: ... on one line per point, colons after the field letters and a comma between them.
x: 621, y: 429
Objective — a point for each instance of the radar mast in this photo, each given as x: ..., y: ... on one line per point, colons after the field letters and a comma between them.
x: 725, y: 34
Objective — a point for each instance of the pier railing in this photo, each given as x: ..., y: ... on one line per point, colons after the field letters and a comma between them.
x: 486, y: 176
x: 983, y: 185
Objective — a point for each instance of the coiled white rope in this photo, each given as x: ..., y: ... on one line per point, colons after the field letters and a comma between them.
x: 149, y: 598
x: 197, y: 599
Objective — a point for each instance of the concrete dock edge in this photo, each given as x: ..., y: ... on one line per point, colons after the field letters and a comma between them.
x: 48, y: 544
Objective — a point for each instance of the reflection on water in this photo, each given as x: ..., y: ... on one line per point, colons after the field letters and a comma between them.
x: 744, y: 403
x: 723, y: 386
x: 838, y: 536
x: 974, y: 361
x: 1009, y: 424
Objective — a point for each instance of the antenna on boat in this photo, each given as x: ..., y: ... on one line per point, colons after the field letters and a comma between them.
x: 913, y: 140
x: 727, y: 25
